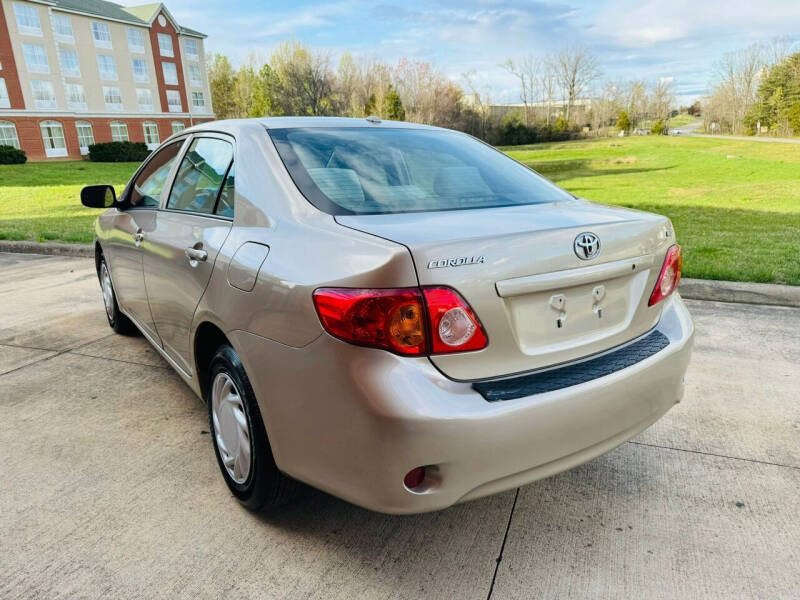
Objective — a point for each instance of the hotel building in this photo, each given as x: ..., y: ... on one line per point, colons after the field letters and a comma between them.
x: 77, y: 72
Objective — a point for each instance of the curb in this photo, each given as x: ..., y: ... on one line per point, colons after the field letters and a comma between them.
x: 692, y: 289
x: 82, y: 250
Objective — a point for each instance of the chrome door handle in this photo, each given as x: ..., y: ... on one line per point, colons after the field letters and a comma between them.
x: 196, y: 255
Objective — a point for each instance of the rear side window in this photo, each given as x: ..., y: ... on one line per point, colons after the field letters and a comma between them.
x: 201, y: 176
x: 226, y: 196
x: 359, y: 170
x: 148, y: 185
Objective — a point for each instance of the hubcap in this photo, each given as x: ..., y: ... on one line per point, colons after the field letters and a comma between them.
x: 231, y: 430
x: 108, y: 291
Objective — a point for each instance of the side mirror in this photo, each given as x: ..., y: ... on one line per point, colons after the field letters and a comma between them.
x: 98, y: 196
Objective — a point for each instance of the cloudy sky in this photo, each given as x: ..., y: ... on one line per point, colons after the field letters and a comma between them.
x: 634, y: 39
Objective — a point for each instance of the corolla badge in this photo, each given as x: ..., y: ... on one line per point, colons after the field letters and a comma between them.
x: 456, y: 262
x: 587, y: 245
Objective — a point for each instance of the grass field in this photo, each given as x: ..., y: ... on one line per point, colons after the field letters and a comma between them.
x: 735, y: 204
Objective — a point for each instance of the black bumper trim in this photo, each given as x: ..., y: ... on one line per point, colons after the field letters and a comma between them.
x: 569, y: 375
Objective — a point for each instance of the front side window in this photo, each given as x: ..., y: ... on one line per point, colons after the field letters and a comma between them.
x: 192, y: 50
x: 119, y: 131
x: 53, y: 138
x: 195, y: 76
x: 139, y: 70
x: 174, y: 101
x: 135, y: 40
x: 149, y: 183
x: 8, y: 134
x: 27, y: 19
x: 44, y: 96
x: 201, y: 175
x: 85, y: 135
x: 170, y: 73
x: 144, y: 98
x: 5, y: 101
x: 101, y: 34
x: 165, y: 44
x: 198, y: 101
x: 372, y: 171
x: 35, y: 58
x: 113, y: 98
x: 68, y: 59
x: 62, y: 25
x: 178, y: 126
x: 76, y: 98
x: 107, y: 67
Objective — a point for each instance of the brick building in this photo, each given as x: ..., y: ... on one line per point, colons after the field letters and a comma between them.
x: 76, y: 72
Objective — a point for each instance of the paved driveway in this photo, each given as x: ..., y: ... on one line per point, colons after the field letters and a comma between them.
x: 109, y: 487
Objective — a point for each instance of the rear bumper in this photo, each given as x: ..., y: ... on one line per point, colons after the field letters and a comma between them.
x: 353, y: 421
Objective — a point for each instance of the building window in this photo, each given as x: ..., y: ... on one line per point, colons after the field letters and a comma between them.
x: 112, y: 98
x: 170, y: 73
x: 174, y: 101
x: 68, y: 59
x: 62, y: 26
x: 44, y: 96
x: 35, y: 58
x: 135, y: 40
x: 27, y: 19
x: 139, y: 67
x: 151, y: 135
x: 144, y: 98
x: 192, y: 52
x: 198, y: 101
x: 195, y: 76
x: 53, y: 137
x: 76, y: 99
x: 178, y: 126
x: 8, y: 135
x: 101, y: 35
x: 107, y: 67
x: 5, y: 101
x: 165, y: 44
x: 85, y: 135
x: 119, y: 131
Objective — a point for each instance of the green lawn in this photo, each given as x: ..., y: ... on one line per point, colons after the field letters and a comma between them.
x: 735, y: 204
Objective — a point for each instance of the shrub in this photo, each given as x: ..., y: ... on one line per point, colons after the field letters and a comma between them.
x: 794, y: 118
x: 623, y: 121
x: 12, y: 156
x: 118, y: 152
x: 658, y: 128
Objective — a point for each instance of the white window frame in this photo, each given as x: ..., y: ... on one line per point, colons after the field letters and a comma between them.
x: 8, y: 134
x: 173, y: 69
x: 112, y: 106
x: 119, y: 131
x: 144, y: 107
x: 137, y: 77
x: 43, y: 84
x: 198, y: 83
x: 106, y: 75
x: 177, y: 126
x: 59, y: 142
x: 5, y: 101
x: 172, y: 106
x: 83, y: 141
x: 28, y: 27
x: 101, y: 33
x: 38, y: 52
x: 165, y: 45
x: 67, y: 70
x: 75, y: 103
x: 202, y: 105
x: 132, y: 47
x: 152, y: 140
x: 193, y: 56
x: 62, y: 34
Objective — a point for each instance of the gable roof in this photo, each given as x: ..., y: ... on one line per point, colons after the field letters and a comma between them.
x: 143, y: 14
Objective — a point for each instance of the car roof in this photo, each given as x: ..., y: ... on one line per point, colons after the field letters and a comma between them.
x: 290, y: 122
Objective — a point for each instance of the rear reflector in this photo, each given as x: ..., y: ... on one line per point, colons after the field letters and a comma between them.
x: 409, y: 321
x: 669, y: 277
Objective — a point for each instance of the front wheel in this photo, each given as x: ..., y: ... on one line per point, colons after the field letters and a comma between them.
x: 116, y: 320
x: 240, y: 439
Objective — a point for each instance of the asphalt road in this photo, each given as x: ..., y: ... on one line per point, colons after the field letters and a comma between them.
x: 109, y: 485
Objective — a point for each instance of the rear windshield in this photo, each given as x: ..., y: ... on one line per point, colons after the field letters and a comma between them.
x: 353, y: 170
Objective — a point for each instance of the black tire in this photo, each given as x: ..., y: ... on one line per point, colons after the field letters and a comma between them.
x: 116, y: 320
x: 265, y: 487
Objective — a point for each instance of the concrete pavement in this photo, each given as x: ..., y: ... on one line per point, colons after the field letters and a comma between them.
x: 110, y: 487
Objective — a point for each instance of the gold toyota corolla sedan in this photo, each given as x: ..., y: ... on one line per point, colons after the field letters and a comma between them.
x: 397, y: 314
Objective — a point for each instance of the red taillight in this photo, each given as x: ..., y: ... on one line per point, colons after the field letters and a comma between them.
x: 412, y: 321
x: 669, y: 277
x: 414, y: 478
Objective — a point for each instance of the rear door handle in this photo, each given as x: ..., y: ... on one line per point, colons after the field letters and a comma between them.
x: 196, y: 255
x: 138, y: 238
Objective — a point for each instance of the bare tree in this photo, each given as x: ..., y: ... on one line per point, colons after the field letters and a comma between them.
x: 528, y: 70
x: 577, y: 69
x: 737, y: 75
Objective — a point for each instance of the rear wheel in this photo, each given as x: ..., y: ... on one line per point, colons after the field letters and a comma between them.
x: 240, y: 439
x: 116, y: 320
